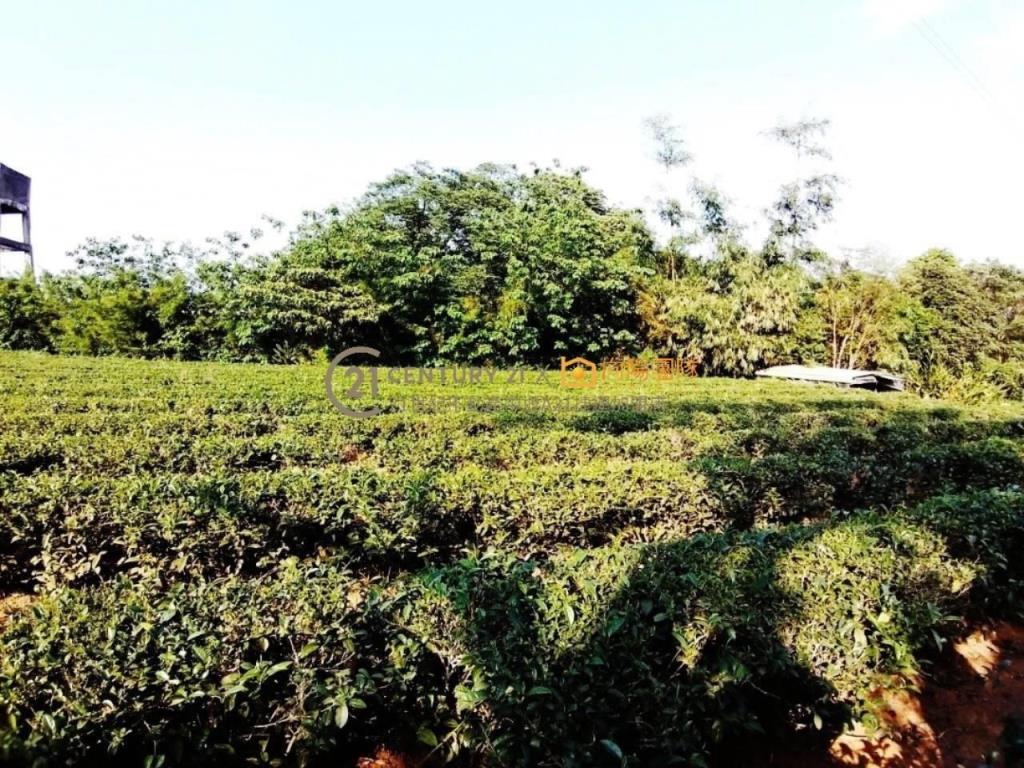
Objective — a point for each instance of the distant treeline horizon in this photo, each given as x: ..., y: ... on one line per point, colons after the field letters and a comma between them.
x: 499, y: 266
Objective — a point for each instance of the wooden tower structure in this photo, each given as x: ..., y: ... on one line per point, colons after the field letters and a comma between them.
x: 14, y: 199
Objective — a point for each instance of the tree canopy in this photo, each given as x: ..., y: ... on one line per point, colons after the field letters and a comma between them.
x: 495, y: 265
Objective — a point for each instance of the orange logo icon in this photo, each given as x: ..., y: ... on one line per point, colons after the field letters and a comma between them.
x: 578, y: 373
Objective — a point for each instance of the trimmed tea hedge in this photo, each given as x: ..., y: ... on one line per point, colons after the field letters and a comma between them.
x: 226, y: 570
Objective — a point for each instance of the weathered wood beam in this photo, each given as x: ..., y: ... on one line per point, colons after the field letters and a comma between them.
x: 14, y: 245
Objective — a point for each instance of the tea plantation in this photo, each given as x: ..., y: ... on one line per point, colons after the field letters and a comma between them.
x: 220, y: 568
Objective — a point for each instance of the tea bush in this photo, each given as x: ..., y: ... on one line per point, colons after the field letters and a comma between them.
x: 225, y: 570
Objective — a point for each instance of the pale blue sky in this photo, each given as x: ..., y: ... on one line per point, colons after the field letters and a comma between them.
x: 182, y: 120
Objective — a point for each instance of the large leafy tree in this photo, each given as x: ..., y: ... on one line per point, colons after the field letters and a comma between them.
x: 862, y: 320
x: 127, y: 297
x: 735, y: 313
x: 1002, y: 288
x: 956, y: 324
x: 283, y: 309
x: 490, y: 265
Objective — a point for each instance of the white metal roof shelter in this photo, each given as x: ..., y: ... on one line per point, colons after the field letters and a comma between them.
x: 841, y: 377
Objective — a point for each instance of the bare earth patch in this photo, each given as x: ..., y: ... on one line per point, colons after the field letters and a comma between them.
x: 11, y: 604
x: 969, y: 713
x: 384, y: 758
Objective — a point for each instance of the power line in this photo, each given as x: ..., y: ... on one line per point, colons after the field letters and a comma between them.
x: 944, y: 49
x: 923, y: 23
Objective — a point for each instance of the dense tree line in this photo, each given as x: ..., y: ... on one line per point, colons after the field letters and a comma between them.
x: 500, y: 266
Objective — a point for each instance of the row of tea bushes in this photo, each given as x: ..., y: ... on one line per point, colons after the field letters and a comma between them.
x: 653, y: 651
x: 224, y: 570
x: 61, y: 526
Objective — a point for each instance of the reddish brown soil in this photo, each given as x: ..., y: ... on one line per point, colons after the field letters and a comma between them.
x: 969, y: 710
x: 11, y: 604
x: 384, y: 758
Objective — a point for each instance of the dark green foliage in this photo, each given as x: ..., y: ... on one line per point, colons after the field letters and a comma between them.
x: 490, y: 265
x: 614, y: 421
x: 735, y: 314
x: 286, y: 309
x: 26, y: 319
x: 960, y: 329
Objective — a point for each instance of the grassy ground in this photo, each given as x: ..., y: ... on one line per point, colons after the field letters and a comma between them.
x: 223, y: 568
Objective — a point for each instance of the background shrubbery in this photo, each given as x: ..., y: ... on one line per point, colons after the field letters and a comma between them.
x: 498, y: 266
